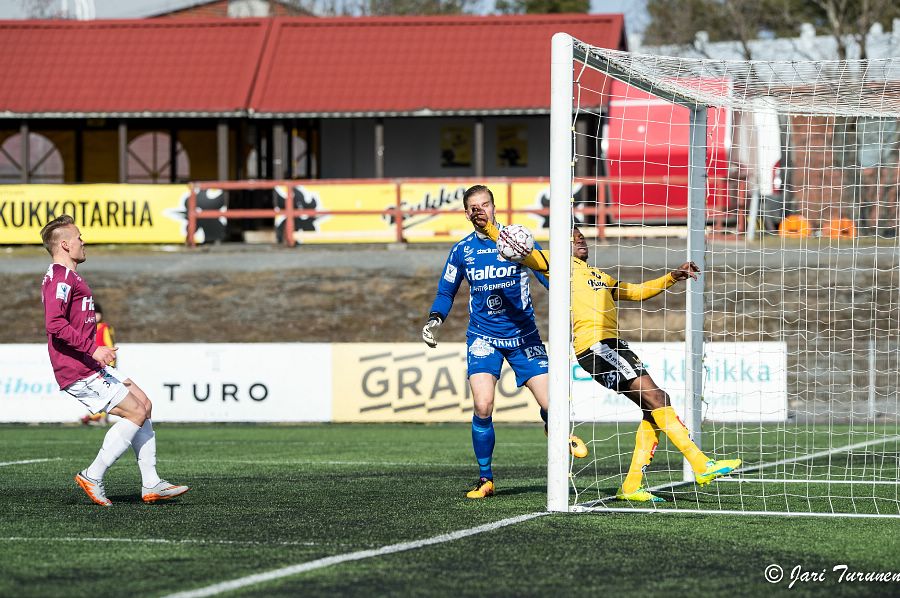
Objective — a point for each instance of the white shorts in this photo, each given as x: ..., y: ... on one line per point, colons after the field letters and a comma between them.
x: 101, y: 392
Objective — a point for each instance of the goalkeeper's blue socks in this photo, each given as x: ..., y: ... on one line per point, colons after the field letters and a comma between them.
x: 544, y: 417
x: 483, y: 443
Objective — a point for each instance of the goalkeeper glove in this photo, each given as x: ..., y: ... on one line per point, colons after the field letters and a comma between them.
x: 434, y: 320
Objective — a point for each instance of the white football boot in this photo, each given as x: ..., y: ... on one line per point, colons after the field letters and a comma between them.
x: 93, y: 488
x: 162, y: 491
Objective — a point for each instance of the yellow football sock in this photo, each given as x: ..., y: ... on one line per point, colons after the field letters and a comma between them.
x: 644, y: 447
x: 669, y: 422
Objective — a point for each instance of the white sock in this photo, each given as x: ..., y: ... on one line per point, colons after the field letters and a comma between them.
x: 144, y: 445
x: 116, y: 442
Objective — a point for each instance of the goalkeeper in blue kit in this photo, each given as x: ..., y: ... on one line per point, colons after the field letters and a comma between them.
x: 501, y: 326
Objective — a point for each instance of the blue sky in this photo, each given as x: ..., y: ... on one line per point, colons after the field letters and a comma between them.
x: 634, y: 10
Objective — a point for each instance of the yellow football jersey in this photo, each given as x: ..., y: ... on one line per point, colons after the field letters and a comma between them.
x: 595, y: 315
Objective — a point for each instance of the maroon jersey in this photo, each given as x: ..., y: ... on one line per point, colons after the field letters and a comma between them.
x: 71, y: 325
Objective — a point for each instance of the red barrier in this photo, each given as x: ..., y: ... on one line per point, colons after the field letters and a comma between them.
x: 599, y: 210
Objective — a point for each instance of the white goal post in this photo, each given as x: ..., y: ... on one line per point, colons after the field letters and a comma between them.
x: 781, y: 181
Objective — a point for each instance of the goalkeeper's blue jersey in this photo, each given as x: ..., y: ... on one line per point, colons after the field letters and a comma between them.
x: 500, y: 309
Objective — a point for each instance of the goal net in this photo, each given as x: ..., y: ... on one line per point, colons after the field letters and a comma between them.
x: 780, y: 181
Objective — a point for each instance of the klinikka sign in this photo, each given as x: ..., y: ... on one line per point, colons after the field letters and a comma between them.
x: 744, y: 381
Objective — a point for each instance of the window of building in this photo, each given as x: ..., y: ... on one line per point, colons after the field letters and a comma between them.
x: 150, y: 160
x: 45, y: 163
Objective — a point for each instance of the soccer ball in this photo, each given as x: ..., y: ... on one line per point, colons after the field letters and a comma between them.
x: 515, y: 242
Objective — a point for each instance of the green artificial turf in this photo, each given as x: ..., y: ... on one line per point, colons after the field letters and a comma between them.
x: 265, y: 497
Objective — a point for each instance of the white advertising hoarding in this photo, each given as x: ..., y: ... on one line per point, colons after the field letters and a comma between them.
x: 743, y: 382
x: 258, y: 382
x: 295, y: 382
x: 28, y: 390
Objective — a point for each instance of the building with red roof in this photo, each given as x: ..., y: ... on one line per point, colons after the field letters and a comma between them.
x: 167, y: 100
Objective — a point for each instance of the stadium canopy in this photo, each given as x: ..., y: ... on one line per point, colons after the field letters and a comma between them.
x: 287, y: 67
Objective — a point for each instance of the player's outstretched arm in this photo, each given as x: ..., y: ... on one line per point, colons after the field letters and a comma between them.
x: 538, y: 260
x: 448, y: 285
x: 652, y: 288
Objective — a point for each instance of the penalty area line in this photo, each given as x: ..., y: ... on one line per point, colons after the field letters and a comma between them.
x: 243, y: 582
x: 27, y: 461
x: 154, y: 541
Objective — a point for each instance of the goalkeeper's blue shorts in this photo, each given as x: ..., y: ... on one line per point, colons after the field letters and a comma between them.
x: 527, y: 360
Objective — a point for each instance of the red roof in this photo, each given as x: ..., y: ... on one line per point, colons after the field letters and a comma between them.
x: 394, y: 65
x: 287, y: 66
x: 129, y: 66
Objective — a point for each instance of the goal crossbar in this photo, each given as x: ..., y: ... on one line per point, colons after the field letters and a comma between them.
x: 873, y: 85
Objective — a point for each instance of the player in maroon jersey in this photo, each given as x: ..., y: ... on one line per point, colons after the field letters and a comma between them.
x: 82, y: 368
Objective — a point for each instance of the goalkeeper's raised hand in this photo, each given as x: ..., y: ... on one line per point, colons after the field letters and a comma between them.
x: 479, y: 218
x: 434, y: 321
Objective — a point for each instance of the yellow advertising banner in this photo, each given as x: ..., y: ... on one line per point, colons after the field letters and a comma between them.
x: 158, y: 214
x: 408, y: 382
x: 446, y: 196
x: 104, y: 213
x: 346, y: 228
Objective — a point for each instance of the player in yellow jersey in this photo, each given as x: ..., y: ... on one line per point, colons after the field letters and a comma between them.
x: 610, y: 361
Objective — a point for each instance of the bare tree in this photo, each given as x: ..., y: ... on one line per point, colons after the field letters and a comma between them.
x: 853, y: 19
x: 678, y: 21
x: 541, y: 6
x: 386, y: 7
x: 41, y: 9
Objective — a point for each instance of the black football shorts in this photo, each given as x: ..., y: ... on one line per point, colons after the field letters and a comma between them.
x: 612, y: 363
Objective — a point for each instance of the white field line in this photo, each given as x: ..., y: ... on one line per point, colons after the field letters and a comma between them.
x: 460, y: 465
x: 809, y: 482
x: 27, y: 461
x: 734, y: 512
x: 243, y: 582
x: 296, y: 462
x: 194, y: 460
x: 156, y: 541
x: 741, y: 470
x: 812, y: 456
x: 306, y: 462
x: 281, y: 442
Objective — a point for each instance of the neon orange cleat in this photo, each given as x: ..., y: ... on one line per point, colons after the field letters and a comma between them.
x: 483, y: 488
